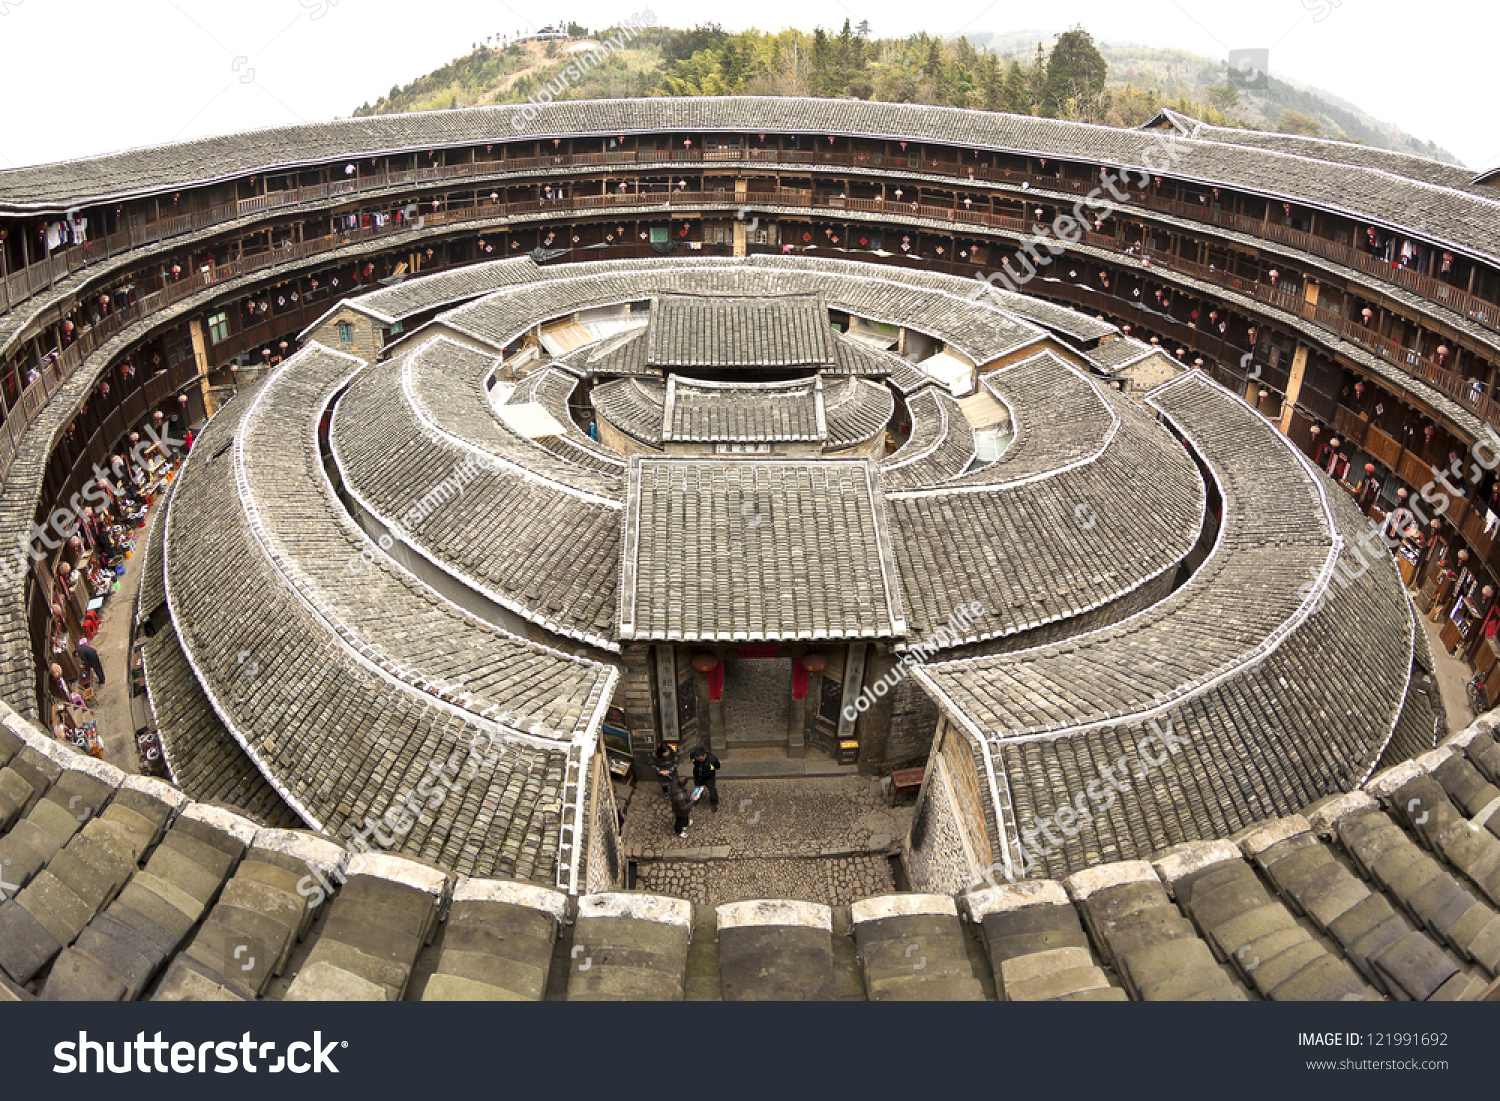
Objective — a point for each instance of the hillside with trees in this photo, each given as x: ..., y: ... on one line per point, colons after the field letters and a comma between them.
x: 1075, y: 78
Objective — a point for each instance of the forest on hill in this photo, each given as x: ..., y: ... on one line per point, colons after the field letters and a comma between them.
x: 1075, y: 78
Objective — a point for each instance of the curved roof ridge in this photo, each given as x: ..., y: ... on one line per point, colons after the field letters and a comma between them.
x: 1268, y: 643
x: 977, y: 483
x: 353, y: 632
x: 548, y: 468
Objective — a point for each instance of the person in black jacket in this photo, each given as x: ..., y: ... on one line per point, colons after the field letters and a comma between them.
x: 665, y: 766
x: 90, y: 657
x: 682, y: 806
x: 706, y: 775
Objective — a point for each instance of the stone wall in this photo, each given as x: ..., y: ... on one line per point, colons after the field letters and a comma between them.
x: 606, y: 866
x: 936, y: 858
x: 365, y: 338
x: 914, y: 718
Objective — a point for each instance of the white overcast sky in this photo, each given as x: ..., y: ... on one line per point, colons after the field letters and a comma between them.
x: 81, y: 77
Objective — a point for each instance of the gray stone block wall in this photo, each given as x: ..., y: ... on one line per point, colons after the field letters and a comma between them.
x: 940, y: 864
x: 366, y: 339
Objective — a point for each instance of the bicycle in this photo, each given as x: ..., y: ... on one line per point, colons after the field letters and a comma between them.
x: 1474, y: 689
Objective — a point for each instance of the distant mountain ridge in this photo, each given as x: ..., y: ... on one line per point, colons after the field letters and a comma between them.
x: 1001, y: 72
x: 1178, y: 74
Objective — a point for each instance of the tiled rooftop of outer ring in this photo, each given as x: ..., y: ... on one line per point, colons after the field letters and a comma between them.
x: 1461, y: 217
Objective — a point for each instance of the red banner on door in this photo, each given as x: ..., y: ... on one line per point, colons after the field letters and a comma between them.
x: 759, y: 650
x: 716, y: 683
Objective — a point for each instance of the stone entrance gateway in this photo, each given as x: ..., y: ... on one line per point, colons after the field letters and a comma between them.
x: 762, y: 697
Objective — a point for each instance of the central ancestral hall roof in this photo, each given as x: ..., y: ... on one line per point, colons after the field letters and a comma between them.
x: 723, y: 331
x: 756, y: 550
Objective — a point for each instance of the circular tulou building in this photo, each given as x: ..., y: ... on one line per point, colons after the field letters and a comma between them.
x: 1085, y: 484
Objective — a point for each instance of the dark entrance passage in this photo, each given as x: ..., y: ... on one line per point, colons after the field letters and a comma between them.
x: 757, y: 702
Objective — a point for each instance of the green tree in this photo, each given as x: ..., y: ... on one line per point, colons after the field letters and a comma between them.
x: 1016, y: 96
x: 934, y: 62
x: 1223, y: 96
x: 1295, y: 122
x: 1076, y: 72
x: 994, y: 84
x: 863, y: 30
x: 732, y: 66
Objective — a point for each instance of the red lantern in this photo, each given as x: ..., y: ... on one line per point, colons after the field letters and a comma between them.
x: 814, y: 663
x: 705, y: 663
x: 1369, y: 468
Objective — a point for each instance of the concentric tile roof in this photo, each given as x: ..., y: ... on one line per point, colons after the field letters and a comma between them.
x: 551, y: 387
x: 1231, y: 660
x: 344, y: 678
x: 857, y: 410
x: 1053, y: 529
x: 1059, y: 415
x: 722, y: 331
x: 1110, y: 355
x: 202, y: 756
x: 940, y: 447
x: 536, y: 534
x: 945, y: 306
x: 754, y: 550
x: 445, y: 385
x: 634, y: 406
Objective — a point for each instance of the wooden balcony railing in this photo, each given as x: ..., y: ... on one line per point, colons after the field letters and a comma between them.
x: 44, y: 274
x: 659, y: 204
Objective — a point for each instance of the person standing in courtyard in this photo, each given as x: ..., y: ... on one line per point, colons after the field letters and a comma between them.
x: 682, y: 806
x: 665, y: 765
x: 706, y: 775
